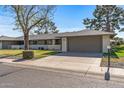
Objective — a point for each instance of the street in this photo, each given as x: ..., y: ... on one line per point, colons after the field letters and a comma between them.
x: 22, y: 77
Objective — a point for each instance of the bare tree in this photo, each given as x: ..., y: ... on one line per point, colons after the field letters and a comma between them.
x: 27, y: 17
x: 47, y: 27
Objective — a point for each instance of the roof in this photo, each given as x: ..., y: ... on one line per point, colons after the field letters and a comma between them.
x: 39, y: 37
x: 59, y: 35
x: 85, y: 33
x: 7, y: 38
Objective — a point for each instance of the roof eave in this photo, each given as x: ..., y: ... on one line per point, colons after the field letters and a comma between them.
x: 114, y: 34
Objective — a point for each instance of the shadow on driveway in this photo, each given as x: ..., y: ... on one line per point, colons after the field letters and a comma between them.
x: 80, y: 54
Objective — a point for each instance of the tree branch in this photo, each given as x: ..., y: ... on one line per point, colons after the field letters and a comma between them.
x: 16, y: 9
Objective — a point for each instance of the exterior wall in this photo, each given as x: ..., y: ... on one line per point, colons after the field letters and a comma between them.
x: 0, y: 44
x: 17, y: 46
x: 63, y: 47
x: 105, y: 42
x: 49, y: 47
x: 64, y: 44
x: 53, y: 42
x: 7, y: 44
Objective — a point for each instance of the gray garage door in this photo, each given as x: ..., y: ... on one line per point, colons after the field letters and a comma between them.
x: 85, y: 44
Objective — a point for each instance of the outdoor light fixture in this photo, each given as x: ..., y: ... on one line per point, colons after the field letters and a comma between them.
x: 108, y: 47
x: 107, y: 74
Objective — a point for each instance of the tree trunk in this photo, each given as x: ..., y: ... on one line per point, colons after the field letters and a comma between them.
x: 108, y: 27
x: 26, y: 41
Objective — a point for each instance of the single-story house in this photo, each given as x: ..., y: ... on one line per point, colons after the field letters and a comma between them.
x: 78, y: 41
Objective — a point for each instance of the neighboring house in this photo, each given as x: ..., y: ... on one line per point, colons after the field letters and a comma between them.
x: 80, y: 41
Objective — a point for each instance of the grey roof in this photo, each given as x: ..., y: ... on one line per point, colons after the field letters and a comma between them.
x: 40, y: 37
x: 85, y: 33
x: 7, y: 38
x: 59, y: 35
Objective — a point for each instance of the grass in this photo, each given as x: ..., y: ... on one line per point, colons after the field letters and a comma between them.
x: 119, y: 50
x: 18, y: 53
x: 117, y: 55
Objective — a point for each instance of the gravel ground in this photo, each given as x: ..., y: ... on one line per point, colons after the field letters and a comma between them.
x: 113, y: 64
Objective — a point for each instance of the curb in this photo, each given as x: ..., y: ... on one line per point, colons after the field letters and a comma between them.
x: 42, y: 68
x: 69, y: 71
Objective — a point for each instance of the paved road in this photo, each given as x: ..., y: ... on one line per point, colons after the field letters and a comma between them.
x: 11, y: 76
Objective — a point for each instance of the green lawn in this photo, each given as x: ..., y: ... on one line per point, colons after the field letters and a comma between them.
x: 119, y: 51
x: 117, y: 54
x: 18, y: 53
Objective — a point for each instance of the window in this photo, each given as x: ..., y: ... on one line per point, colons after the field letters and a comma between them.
x: 45, y: 42
x: 18, y: 43
x: 40, y: 42
x: 49, y: 42
x: 33, y: 42
x: 58, y: 41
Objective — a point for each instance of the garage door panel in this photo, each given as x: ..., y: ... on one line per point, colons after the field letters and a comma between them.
x: 85, y: 44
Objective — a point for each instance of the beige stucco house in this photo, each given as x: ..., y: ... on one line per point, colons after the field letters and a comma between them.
x: 78, y: 41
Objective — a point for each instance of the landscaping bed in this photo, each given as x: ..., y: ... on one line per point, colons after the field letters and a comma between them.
x: 18, y: 53
x: 113, y: 64
x: 117, y: 57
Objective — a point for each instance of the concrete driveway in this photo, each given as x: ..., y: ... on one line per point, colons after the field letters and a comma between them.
x: 81, y: 62
x: 74, y: 58
x: 69, y: 61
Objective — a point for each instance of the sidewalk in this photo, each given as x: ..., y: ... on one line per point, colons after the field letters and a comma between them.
x: 65, y: 66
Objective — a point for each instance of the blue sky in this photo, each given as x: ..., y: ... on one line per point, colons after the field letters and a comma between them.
x: 67, y: 18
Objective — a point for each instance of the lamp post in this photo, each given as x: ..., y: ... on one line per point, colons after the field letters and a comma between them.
x: 107, y: 74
